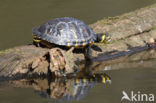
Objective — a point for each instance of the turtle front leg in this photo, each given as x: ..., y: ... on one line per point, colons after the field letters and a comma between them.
x: 88, y: 53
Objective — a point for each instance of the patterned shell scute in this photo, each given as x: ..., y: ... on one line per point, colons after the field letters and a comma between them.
x: 65, y: 31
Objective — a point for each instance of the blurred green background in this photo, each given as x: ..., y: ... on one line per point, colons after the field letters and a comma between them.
x: 18, y: 17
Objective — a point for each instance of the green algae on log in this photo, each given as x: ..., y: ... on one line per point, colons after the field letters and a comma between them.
x: 130, y: 30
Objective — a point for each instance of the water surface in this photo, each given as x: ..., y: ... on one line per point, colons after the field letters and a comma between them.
x: 141, y: 79
x: 18, y: 17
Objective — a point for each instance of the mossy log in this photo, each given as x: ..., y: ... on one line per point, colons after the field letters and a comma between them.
x: 131, y: 30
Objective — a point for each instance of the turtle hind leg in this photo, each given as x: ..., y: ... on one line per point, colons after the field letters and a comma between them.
x: 43, y: 44
x: 37, y: 44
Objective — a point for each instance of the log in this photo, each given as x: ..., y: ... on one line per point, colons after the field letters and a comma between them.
x: 132, y: 30
x: 31, y: 59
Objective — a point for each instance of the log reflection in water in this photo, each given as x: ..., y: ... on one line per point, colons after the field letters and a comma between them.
x: 75, y: 88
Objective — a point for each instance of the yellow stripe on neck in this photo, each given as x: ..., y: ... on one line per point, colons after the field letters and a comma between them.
x: 103, y: 38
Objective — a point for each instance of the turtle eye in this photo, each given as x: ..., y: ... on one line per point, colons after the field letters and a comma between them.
x: 107, y: 37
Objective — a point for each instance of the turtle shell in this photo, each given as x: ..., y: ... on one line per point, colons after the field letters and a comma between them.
x: 65, y: 31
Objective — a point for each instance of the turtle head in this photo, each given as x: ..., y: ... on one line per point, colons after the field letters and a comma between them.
x: 103, y: 38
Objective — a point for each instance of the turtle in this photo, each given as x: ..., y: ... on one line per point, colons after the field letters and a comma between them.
x: 68, y: 32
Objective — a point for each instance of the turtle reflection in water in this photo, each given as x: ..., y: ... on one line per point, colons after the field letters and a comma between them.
x: 72, y: 89
x: 67, y: 32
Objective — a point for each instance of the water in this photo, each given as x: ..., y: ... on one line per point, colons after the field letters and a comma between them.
x: 17, y: 18
x: 136, y: 80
